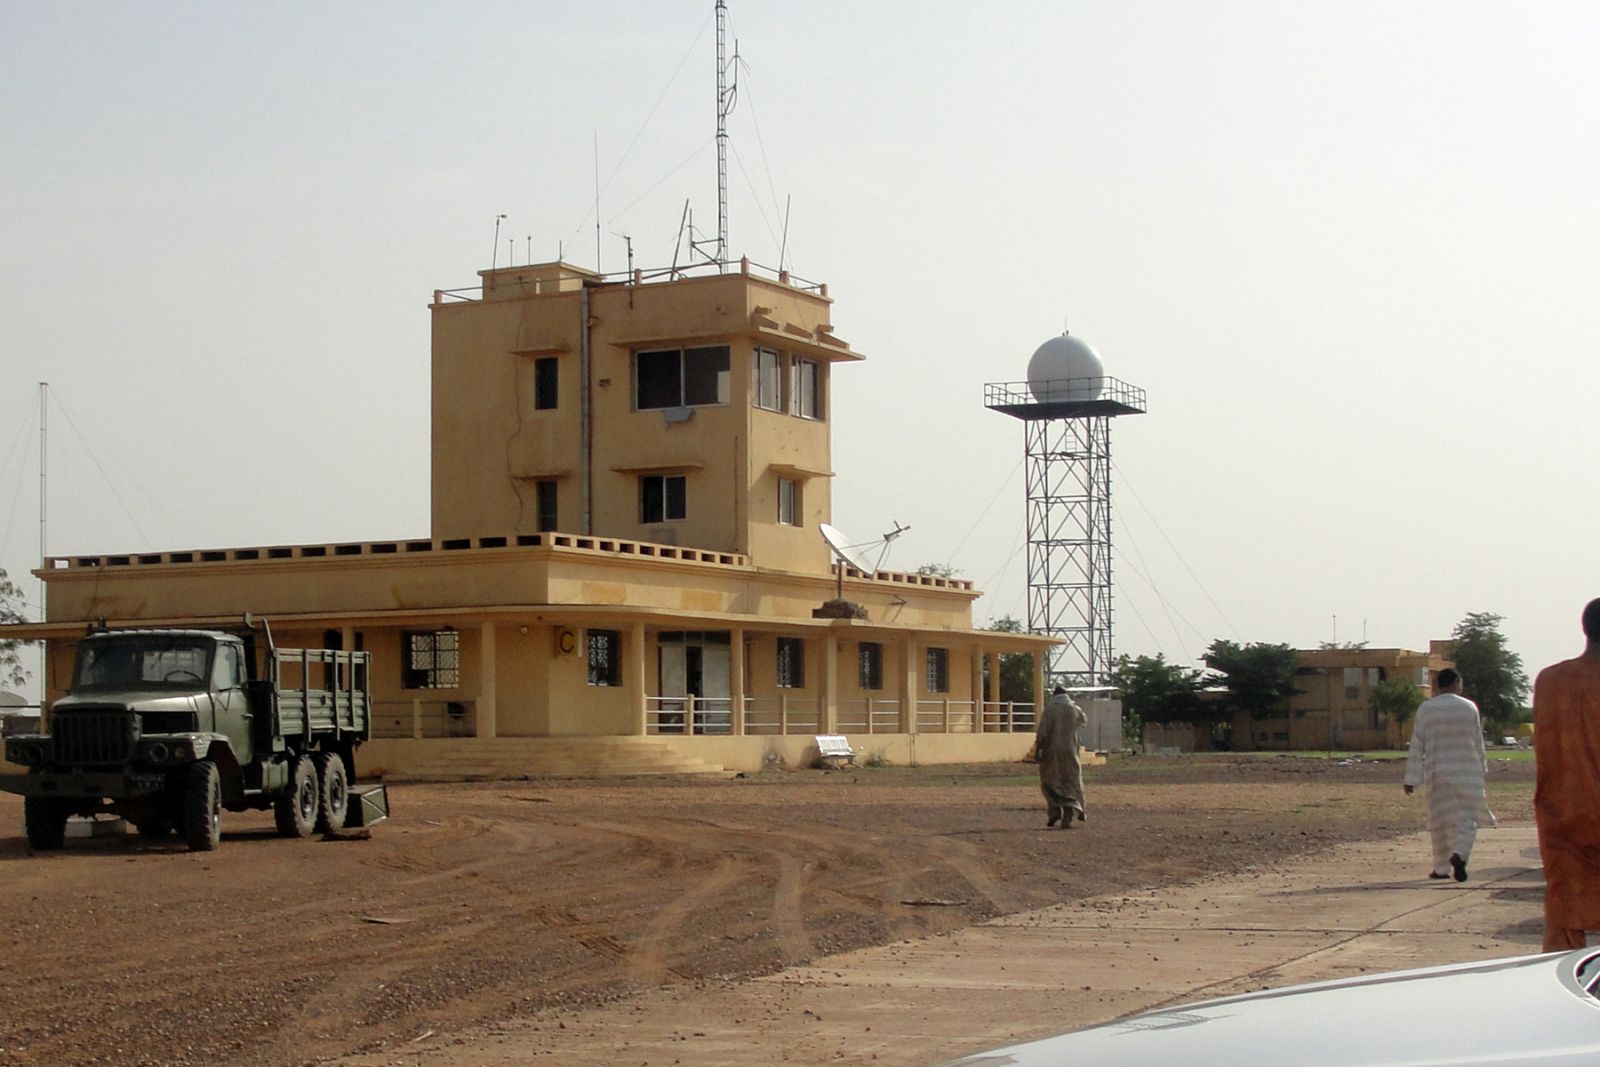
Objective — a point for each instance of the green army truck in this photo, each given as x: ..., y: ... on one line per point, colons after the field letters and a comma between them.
x: 166, y: 727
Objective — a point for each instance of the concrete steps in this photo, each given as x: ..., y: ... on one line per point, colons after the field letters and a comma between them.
x: 470, y: 759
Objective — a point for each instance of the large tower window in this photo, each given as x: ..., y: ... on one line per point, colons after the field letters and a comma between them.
x: 663, y: 497
x: 681, y: 377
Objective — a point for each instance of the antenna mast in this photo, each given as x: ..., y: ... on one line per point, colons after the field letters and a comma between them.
x: 44, y: 497
x: 725, y: 97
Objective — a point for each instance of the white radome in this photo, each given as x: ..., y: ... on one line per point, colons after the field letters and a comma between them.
x: 1065, y: 368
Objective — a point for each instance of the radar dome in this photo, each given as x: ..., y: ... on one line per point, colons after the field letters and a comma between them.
x: 1065, y: 368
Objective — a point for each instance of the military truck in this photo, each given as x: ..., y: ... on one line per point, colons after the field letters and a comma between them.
x: 167, y: 727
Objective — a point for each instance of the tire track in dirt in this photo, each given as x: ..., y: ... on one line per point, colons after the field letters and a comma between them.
x: 648, y: 963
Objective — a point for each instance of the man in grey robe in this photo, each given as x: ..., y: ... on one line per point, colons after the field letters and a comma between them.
x: 1055, y: 746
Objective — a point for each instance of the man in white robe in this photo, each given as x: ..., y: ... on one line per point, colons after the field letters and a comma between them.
x: 1447, y: 758
x: 1055, y: 745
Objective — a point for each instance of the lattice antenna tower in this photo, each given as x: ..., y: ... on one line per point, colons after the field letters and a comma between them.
x: 1066, y: 407
x: 726, y: 95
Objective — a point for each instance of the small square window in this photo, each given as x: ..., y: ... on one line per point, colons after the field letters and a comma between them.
x: 869, y: 665
x: 605, y: 657
x: 788, y: 501
x: 663, y: 498
x: 791, y: 663
x: 938, y: 670
x: 432, y: 659
x: 546, y: 377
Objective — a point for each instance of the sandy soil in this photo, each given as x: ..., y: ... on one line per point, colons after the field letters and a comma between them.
x: 489, y: 901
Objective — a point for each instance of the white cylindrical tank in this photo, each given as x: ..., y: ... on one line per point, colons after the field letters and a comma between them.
x: 1065, y: 368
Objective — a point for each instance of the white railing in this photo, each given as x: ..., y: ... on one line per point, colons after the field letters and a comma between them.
x: 688, y: 715
x: 868, y: 716
x: 782, y: 714
x: 1008, y: 716
x: 945, y: 716
x: 424, y: 718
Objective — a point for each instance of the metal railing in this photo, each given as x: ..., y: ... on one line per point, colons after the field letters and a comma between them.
x: 424, y: 718
x: 1009, y: 716
x: 706, y: 716
x: 868, y: 716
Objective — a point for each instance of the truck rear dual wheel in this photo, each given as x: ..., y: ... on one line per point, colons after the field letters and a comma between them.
x: 45, y: 820
x: 296, y: 810
x: 335, y: 792
x: 202, y: 807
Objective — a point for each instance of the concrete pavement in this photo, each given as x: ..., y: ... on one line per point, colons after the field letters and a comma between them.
x: 1350, y: 910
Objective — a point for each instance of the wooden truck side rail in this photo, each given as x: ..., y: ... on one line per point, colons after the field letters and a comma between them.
x: 321, y: 691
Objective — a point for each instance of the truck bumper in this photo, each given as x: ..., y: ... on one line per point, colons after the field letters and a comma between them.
x: 85, y: 785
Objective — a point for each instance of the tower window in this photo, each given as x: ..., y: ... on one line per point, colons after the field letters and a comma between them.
x: 804, y: 395
x: 663, y: 497
x: 546, y: 376
x: 768, y: 379
x: 546, y: 504
x: 789, y: 501
x: 681, y: 377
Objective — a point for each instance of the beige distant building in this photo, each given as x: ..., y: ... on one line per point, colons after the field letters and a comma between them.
x: 625, y: 565
x: 1333, y: 709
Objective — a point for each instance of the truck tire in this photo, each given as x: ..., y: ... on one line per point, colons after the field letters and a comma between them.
x: 202, y: 807
x: 45, y: 820
x: 297, y: 808
x: 335, y: 792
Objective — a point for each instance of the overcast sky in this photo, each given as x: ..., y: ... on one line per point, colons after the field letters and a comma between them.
x: 1349, y: 249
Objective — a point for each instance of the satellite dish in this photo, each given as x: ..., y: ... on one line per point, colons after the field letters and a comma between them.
x: 844, y: 551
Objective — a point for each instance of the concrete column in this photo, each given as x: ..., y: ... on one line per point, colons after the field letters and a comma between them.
x: 636, y: 677
x: 828, y: 714
x: 487, y: 726
x: 994, y: 677
x: 1038, y: 686
x: 736, y: 681
x: 976, y: 688
x: 908, y: 688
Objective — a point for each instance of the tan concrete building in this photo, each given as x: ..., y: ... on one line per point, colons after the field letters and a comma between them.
x: 625, y: 566
x: 1333, y: 709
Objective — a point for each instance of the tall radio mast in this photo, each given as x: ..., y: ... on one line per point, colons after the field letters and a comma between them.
x: 725, y: 98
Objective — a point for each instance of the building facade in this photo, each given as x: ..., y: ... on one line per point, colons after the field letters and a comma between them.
x: 625, y: 569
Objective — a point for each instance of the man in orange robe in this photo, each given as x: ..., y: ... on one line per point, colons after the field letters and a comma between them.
x: 1566, y: 795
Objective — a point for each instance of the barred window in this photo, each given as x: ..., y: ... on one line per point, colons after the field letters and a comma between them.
x: 938, y: 670
x: 432, y: 659
x: 791, y: 663
x: 605, y: 657
x: 869, y: 665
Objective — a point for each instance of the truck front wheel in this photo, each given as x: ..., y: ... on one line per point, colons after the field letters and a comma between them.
x: 335, y: 792
x: 295, y: 810
x: 45, y: 820
x: 202, y: 807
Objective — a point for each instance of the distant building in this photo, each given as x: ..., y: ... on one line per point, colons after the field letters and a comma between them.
x: 1333, y: 709
x: 624, y: 567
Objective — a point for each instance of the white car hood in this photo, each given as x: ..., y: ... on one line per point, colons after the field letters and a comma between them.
x: 1522, y: 1011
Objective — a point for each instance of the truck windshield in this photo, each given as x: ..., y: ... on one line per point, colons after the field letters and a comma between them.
x: 142, y: 662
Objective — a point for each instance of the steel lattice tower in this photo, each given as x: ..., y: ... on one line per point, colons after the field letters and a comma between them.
x: 1068, y: 440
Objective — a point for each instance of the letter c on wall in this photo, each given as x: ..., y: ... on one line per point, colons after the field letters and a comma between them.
x: 566, y: 642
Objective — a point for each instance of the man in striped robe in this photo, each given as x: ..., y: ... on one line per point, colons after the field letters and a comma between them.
x: 1447, y: 757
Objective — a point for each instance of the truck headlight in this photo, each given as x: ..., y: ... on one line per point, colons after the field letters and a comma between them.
x: 156, y: 752
x: 22, y: 755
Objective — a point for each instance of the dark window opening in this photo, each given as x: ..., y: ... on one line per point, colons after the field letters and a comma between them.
x: 869, y: 665
x: 791, y: 663
x: 663, y: 498
x: 938, y: 670
x: 681, y: 377
x: 546, y: 377
x: 546, y: 504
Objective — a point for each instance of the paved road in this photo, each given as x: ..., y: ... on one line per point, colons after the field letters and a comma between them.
x: 1355, y: 909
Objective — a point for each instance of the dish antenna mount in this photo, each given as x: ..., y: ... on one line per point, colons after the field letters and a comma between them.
x: 848, y: 554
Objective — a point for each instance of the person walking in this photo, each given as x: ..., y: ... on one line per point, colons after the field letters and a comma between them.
x: 1566, y: 790
x: 1446, y: 756
x: 1055, y: 746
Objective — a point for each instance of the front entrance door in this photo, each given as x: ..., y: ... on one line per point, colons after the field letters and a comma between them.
x: 694, y: 664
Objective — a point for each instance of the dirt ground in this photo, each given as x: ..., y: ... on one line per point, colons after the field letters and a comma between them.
x: 489, y: 901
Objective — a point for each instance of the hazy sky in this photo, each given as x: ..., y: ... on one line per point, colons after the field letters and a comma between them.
x: 1350, y: 250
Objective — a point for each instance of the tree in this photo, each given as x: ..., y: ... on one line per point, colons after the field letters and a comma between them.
x: 1395, y: 698
x: 1259, y: 677
x: 1016, y: 668
x: 12, y: 672
x: 945, y: 570
x: 1153, y: 690
x: 1491, y: 674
